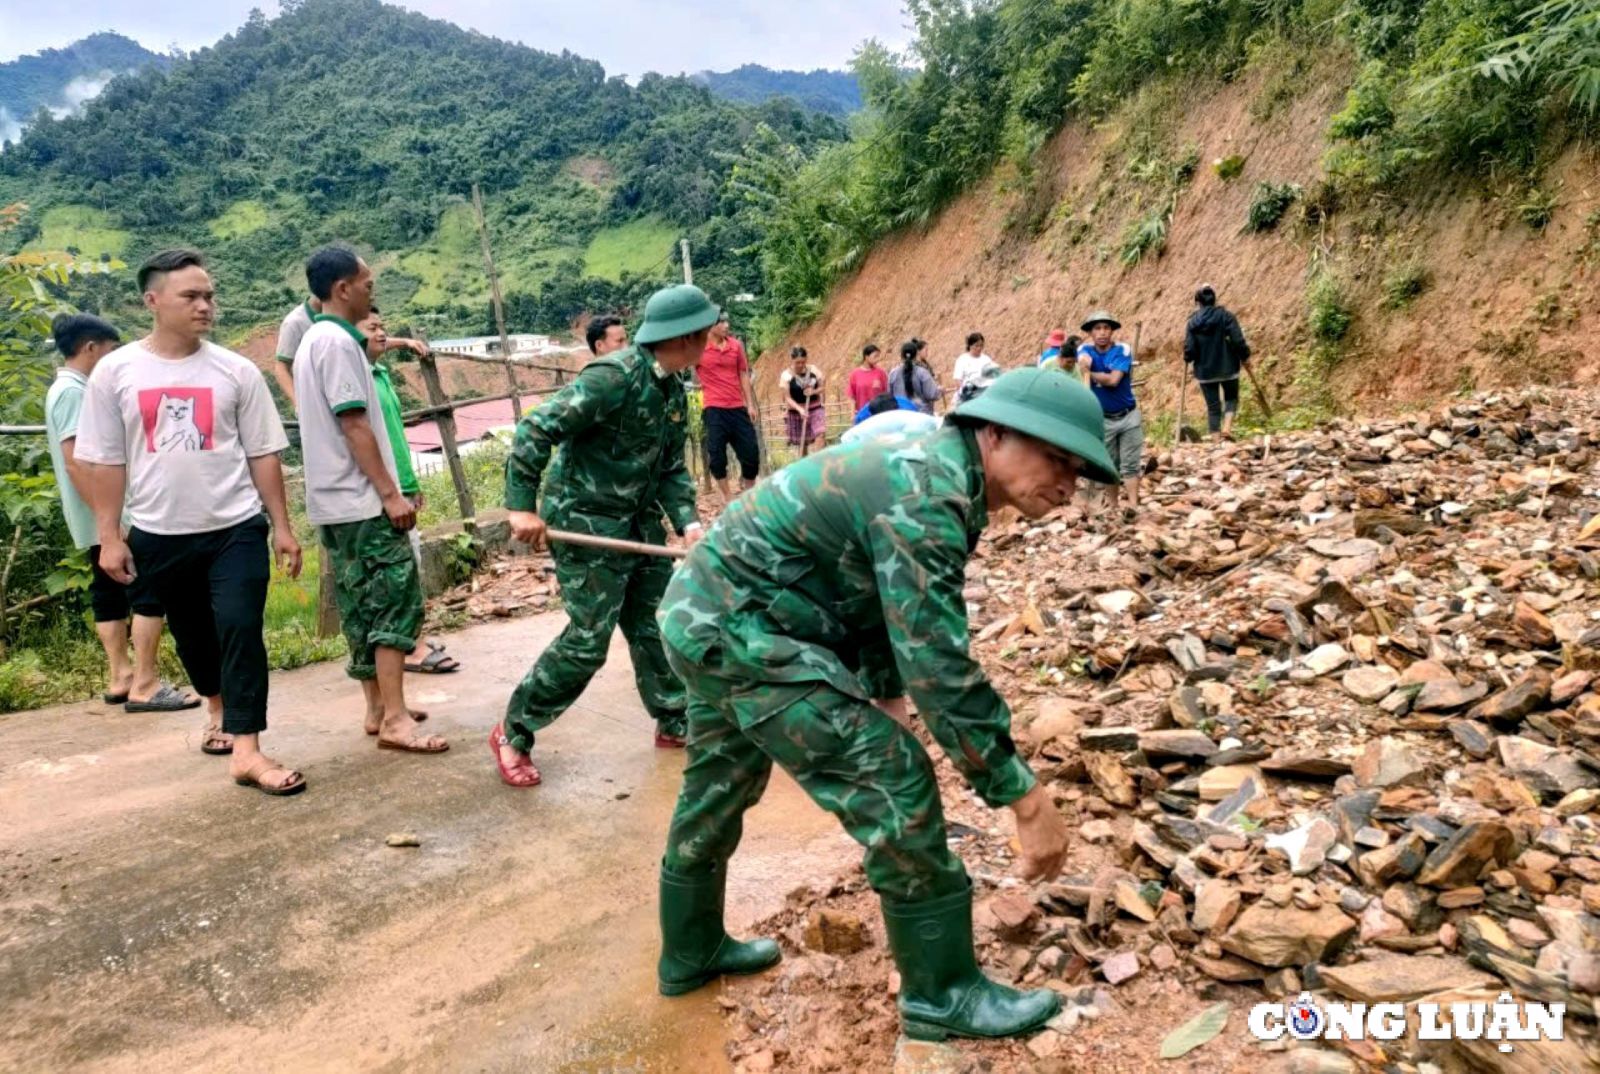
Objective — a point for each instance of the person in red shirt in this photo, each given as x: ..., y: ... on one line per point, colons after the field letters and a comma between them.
x: 867, y: 381
x: 728, y: 409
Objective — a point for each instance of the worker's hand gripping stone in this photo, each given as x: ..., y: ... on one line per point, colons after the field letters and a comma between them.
x: 1042, y: 833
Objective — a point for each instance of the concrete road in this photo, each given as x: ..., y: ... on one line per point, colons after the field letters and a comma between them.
x: 153, y: 916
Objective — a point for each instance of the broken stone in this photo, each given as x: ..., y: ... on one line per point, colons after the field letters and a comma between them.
x: 1353, y: 812
x: 1131, y: 902
x: 1377, y: 923
x: 1378, y: 868
x: 1176, y: 745
x: 1472, y: 737
x: 834, y: 932
x: 1283, y: 936
x: 1447, y: 695
x: 1187, y: 706
x: 1216, y: 904
x: 1306, y: 847
x: 1533, y: 625
x: 1460, y: 859
x: 1425, y: 671
x: 1513, y: 705
x: 1388, y: 762
x: 1370, y: 684
x: 1221, y: 784
x: 1543, y: 769
x: 1109, y: 739
x: 1571, y: 685
x: 1460, y: 898
x: 1111, y: 779
x: 1120, y: 967
x: 1291, y: 765
x: 1326, y: 659
x: 1400, y: 978
x: 1228, y: 969
x: 1578, y: 802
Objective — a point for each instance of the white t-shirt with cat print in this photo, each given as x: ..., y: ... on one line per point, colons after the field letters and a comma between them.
x: 185, y: 429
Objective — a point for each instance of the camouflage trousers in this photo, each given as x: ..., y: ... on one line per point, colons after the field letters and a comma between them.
x: 601, y: 591
x: 377, y: 589
x: 852, y: 759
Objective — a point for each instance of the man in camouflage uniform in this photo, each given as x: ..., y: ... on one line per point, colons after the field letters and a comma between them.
x: 621, y: 426
x: 811, y: 607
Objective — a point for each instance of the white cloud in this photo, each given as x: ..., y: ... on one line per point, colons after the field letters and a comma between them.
x: 79, y: 92
x: 10, y: 129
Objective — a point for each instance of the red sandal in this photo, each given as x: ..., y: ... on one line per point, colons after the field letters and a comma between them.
x: 517, y: 775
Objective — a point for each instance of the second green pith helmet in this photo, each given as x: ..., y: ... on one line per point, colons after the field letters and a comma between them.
x: 1050, y: 406
x: 676, y: 311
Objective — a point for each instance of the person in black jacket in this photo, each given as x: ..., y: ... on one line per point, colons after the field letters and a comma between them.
x: 1215, y: 346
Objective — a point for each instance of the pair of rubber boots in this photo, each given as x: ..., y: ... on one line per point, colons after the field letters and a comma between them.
x: 942, y: 992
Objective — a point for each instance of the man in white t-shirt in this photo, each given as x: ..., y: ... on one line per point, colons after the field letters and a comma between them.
x: 185, y: 433
x: 296, y: 323
x: 354, y: 499
x: 970, y: 368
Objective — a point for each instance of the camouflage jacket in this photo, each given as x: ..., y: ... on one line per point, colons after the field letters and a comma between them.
x: 622, y: 426
x: 848, y: 568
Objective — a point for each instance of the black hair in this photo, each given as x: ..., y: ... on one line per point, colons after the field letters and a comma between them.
x: 329, y: 265
x: 878, y: 404
x: 1072, y: 344
x: 164, y: 261
x: 908, y: 362
x: 796, y: 352
x: 1206, y: 296
x: 75, y: 331
x: 598, y: 327
x: 869, y: 350
x: 974, y: 337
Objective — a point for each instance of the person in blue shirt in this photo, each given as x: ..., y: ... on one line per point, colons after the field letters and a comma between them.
x: 900, y: 403
x: 1108, y: 367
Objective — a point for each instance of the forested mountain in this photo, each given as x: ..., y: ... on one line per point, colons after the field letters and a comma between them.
x: 63, y: 78
x: 834, y: 92
x: 351, y: 119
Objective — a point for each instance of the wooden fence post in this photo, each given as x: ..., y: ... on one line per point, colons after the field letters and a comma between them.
x: 447, y: 440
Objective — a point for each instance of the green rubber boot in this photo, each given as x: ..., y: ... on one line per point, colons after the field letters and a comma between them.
x: 942, y: 991
x: 695, y: 949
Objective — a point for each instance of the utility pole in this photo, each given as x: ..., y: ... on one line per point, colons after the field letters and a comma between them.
x: 494, y: 296
x: 688, y: 268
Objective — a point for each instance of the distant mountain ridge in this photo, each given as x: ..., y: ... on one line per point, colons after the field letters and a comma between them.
x: 834, y: 92
x: 62, y: 79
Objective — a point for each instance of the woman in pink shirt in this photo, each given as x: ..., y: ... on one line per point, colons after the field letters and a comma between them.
x: 867, y: 381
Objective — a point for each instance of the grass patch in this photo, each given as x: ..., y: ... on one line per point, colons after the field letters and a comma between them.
x: 1328, y: 314
x: 632, y: 247
x: 1270, y: 203
x: 80, y: 229
x: 1403, y: 284
x: 242, y: 218
x: 486, y: 476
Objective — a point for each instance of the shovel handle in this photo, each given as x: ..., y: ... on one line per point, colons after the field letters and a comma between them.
x: 612, y: 544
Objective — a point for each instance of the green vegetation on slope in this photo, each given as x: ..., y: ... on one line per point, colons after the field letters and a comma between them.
x: 629, y: 248
x: 834, y: 92
x: 31, y: 82
x: 80, y: 230
x: 267, y: 169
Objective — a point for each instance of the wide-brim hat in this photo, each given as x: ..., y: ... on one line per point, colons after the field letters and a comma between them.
x: 676, y: 311
x: 1100, y: 317
x: 1048, y: 405
x: 1056, y: 338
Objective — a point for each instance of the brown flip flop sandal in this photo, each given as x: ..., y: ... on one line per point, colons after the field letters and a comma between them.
x: 252, y: 778
x: 216, y: 742
x: 416, y: 714
x: 413, y: 745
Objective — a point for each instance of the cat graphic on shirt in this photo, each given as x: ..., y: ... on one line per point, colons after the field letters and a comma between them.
x: 176, y: 427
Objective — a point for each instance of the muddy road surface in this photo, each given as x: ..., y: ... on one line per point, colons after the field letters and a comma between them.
x: 157, y: 917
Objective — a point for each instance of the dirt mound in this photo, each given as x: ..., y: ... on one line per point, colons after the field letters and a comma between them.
x: 1326, y: 718
x: 1500, y: 305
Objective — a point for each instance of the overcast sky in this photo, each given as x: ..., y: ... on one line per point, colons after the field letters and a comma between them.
x: 629, y: 37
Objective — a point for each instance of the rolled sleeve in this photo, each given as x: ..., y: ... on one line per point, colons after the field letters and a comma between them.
x: 260, y: 428
x: 101, y: 437
x: 919, y: 555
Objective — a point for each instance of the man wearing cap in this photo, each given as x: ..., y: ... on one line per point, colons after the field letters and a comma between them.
x: 798, y: 624
x: 1108, y: 367
x: 621, y: 426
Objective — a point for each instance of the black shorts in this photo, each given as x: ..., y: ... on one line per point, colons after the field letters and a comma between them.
x: 111, y: 601
x: 731, y: 425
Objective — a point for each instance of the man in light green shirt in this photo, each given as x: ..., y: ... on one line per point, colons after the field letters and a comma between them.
x: 379, y: 343
x: 82, y: 340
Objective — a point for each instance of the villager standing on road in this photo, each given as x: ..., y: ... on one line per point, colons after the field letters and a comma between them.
x: 622, y: 426
x: 798, y: 624
x: 805, y: 420
x: 82, y: 339
x: 912, y: 380
x: 1108, y: 366
x: 728, y: 409
x: 1215, y: 346
x: 973, y: 369
x: 185, y: 432
x: 354, y: 498
x: 868, y: 380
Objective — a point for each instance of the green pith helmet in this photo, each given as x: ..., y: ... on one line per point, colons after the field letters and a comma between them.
x: 1100, y: 317
x: 676, y: 311
x: 1050, y: 406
